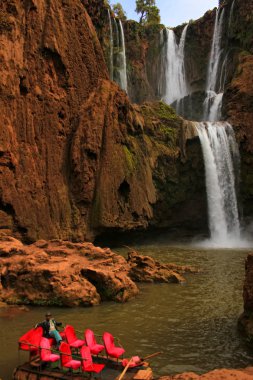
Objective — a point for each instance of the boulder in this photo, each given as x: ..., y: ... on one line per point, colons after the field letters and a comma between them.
x: 147, y: 269
x: 62, y: 273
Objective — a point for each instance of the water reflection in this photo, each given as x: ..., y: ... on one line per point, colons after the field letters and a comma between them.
x: 194, y: 325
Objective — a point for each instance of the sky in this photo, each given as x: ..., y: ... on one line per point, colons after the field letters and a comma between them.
x: 173, y: 12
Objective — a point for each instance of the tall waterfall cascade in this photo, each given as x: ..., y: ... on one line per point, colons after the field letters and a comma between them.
x: 111, y: 45
x: 214, y: 85
x: 117, y: 53
x: 221, y: 158
x: 174, y: 88
x: 123, y: 66
x: 218, y: 143
x: 231, y: 14
x: 219, y: 147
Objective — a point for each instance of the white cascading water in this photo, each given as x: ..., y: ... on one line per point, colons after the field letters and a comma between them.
x: 221, y: 157
x: 175, y: 87
x: 118, y: 66
x: 111, y: 45
x: 117, y: 33
x: 213, y: 101
x: 123, y: 66
x: 231, y: 14
x: 220, y: 150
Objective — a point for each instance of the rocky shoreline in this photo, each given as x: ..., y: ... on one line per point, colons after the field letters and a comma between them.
x: 62, y: 273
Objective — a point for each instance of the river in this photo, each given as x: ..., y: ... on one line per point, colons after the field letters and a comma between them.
x: 194, y: 325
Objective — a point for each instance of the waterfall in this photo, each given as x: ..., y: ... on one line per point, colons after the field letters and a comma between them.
x: 117, y: 33
x: 214, y: 94
x: 231, y: 15
x: 215, y: 52
x: 219, y: 147
x: 123, y: 67
x: 212, y: 106
x: 118, y: 67
x: 111, y: 45
x: 175, y: 87
x: 221, y: 156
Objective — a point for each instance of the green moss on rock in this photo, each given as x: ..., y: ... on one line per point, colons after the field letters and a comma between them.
x: 163, y: 123
x: 159, y: 110
x: 129, y: 159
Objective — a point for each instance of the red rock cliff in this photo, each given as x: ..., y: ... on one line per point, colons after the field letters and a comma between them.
x: 43, y: 83
x: 75, y: 156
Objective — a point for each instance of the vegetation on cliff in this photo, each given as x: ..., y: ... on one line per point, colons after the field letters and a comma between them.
x: 149, y: 13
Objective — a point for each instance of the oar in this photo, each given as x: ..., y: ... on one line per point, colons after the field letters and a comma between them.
x: 151, y: 356
x: 125, y: 369
x: 142, y: 360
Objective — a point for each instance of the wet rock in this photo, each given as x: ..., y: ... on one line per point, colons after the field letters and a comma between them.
x: 147, y: 269
x: 62, y: 273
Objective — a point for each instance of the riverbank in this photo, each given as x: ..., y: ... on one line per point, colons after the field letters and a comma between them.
x: 62, y: 273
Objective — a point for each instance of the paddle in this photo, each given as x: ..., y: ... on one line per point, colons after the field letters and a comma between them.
x: 125, y: 369
x: 152, y: 355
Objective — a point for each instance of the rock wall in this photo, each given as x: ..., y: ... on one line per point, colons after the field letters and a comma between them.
x: 44, y: 82
x: 76, y: 157
x: 143, y: 52
x: 238, y: 98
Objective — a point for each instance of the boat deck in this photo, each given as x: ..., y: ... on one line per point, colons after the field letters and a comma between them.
x: 32, y: 371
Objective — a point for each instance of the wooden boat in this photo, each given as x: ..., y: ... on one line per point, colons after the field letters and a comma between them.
x: 113, y: 368
x: 113, y: 371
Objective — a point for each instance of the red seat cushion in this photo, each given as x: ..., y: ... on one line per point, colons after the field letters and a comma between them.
x: 110, y: 347
x: 94, y: 367
x: 51, y: 341
x: 74, y: 364
x: 51, y: 358
x: 32, y: 337
x: 78, y: 343
x: 96, y: 349
x: 116, y: 352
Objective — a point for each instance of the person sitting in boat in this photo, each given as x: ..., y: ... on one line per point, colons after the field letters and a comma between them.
x: 49, y: 326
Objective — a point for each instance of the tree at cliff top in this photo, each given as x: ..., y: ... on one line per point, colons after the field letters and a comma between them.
x: 150, y: 14
x: 119, y: 11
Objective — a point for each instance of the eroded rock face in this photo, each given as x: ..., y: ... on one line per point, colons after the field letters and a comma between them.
x: 43, y: 83
x: 76, y: 157
x: 146, y: 269
x: 62, y: 273
x: 239, y: 108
